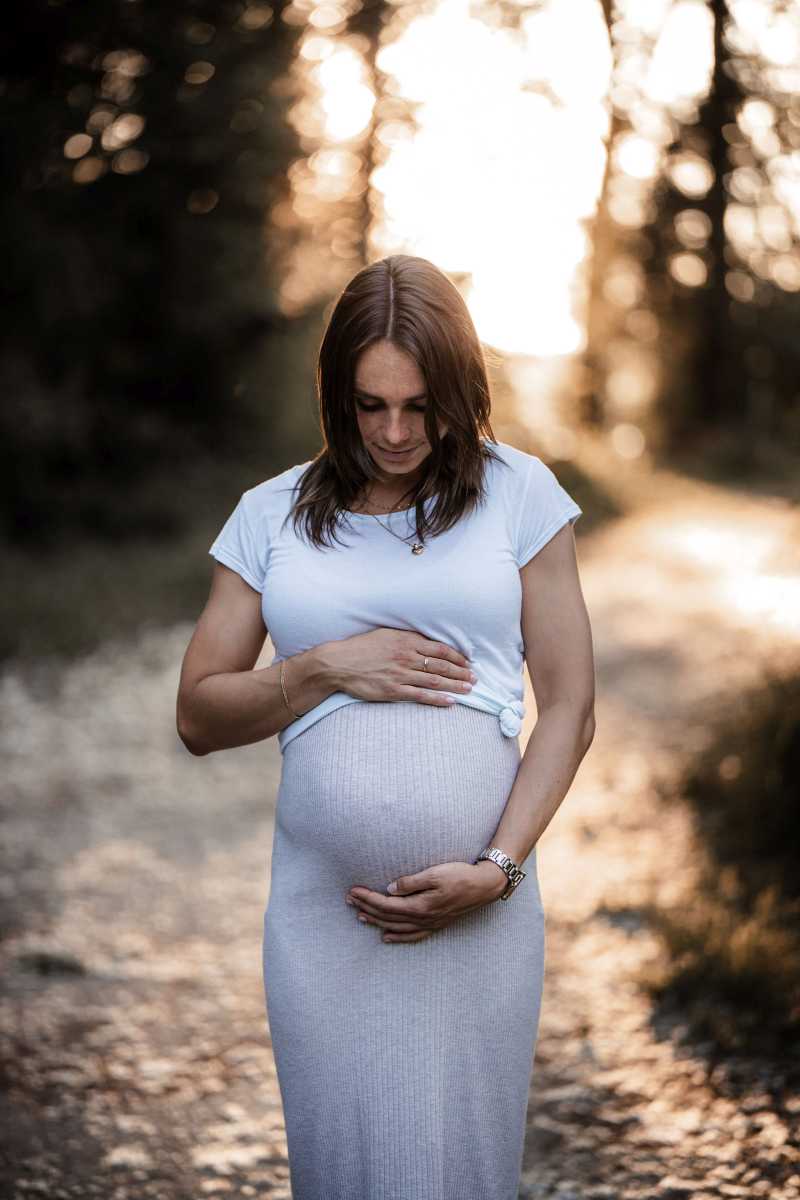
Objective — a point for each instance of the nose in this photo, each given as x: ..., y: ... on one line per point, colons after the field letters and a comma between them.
x: 395, y: 433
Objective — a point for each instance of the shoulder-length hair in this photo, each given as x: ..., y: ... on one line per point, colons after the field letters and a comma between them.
x: 410, y: 302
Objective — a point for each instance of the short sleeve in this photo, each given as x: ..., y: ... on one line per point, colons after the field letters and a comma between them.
x: 243, y: 543
x: 546, y: 506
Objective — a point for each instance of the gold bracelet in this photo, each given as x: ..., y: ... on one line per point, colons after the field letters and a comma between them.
x: 286, y: 698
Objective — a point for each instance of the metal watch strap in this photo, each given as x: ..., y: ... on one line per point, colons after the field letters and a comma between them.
x: 515, y: 874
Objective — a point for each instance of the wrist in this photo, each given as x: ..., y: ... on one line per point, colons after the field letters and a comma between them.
x: 323, y: 665
x: 494, y: 880
x: 307, y: 680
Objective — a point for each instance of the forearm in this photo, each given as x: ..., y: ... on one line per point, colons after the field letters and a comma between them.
x: 237, y: 708
x: 559, y: 741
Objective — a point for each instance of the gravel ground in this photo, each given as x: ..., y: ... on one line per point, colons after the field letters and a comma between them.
x: 133, y: 1039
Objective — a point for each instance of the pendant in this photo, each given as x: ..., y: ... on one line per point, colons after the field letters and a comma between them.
x: 417, y: 548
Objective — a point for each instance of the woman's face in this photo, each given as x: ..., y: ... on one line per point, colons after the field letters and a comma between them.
x: 390, y: 401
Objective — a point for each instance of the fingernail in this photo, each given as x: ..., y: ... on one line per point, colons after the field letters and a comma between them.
x: 362, y: 917
x: 473, y: 677
x: 391, y: 887
x: 348, y: 900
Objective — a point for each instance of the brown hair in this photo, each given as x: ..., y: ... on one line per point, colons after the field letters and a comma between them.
x: 410, y: 302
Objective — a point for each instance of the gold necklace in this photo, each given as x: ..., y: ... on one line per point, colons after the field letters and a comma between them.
x: 417, y: 548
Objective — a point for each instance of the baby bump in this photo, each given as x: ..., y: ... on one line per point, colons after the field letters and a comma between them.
x: 376, y: 790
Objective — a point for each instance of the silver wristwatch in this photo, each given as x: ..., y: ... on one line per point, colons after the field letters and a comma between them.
x: 514, y: 873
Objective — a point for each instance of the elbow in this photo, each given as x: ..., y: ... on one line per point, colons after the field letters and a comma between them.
x: 190, y: 737
x: 588, y: 729
x: 195, y: 748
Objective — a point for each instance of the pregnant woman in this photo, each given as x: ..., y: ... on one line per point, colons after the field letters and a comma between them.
x: 404, y: 575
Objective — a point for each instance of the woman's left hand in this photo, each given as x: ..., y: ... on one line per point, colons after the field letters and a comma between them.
x: 430, y: 899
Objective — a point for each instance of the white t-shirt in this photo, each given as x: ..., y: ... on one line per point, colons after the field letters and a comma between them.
x: 464, y: 589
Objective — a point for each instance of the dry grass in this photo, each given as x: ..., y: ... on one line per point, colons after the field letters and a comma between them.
x: 732, y: 949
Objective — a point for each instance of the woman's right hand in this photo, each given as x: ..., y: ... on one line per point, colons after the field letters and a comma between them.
x: 387, y: 664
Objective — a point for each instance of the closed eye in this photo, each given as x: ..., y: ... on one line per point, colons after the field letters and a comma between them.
x: 374, y: 407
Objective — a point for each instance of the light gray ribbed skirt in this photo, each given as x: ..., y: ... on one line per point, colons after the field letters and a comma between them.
x: 404, y: 1068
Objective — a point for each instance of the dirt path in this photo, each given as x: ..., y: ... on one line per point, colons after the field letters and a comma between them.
x: 690, y: 602
x: 132, y: 1024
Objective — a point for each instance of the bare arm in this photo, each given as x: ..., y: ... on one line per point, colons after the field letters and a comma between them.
x: 222, y: 701
x: 559, y: 654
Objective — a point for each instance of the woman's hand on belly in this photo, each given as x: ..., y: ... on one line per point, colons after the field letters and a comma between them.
x: 428, y: 900
x: 397, y: 664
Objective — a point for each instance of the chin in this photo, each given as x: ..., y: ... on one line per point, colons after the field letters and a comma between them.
x: 401, y: 468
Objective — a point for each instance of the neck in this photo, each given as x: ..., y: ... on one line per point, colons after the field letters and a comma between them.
x: 380, y: 503
x: 386, y: 492
x: 389, y: 484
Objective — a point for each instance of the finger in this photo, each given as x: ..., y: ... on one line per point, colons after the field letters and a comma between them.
x: 395, y: 926
x: 447, y: 683
x: 428, y: 880
x: 449, y: 672
x: 403, y: 913
x: 366, y: 895
x: 408, y: 911
x: 424, y: 695
x: 441, y: 650
x: 438, y: 672
x: 391, y: 906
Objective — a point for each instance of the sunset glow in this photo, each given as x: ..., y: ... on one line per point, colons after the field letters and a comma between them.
x: 507, y: 164
x: 499, y: 180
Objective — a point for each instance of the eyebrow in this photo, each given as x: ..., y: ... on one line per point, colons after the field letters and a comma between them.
x: 369, y: 396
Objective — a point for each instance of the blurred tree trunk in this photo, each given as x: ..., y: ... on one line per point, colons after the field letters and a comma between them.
x: 369, y: 22
x: 719, y: 394
x: 603, y: 247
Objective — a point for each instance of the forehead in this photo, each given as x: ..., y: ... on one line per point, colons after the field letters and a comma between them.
x: 386, y: 371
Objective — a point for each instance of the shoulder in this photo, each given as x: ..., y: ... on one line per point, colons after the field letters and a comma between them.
x: 515, y: 467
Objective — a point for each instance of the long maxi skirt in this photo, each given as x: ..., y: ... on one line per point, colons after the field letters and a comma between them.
x: 404, y: 1068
